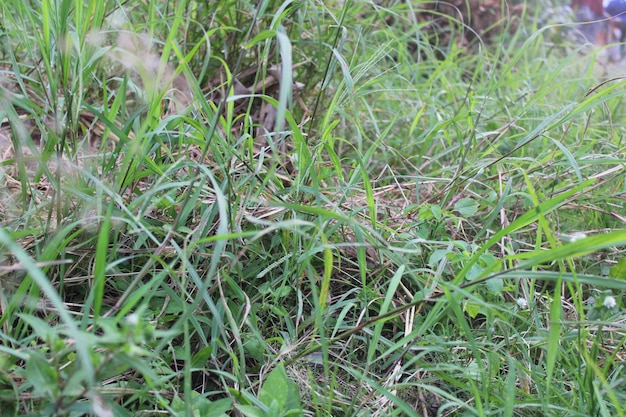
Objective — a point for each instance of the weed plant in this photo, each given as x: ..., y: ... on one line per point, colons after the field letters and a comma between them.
x: 331, y: 208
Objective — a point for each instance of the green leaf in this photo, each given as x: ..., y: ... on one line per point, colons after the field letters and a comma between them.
x: 472, y: 309
x: 531, y: 216
x: 102, y: 253
x: 394, y: 282
x: 619, y: 270
x: 554, y: 333
x: 293, y: 406
x: 495, y: 285
x: 275, y: 388
x: 202, y: 406
x: 250, y: 411
x: 207, y: 408
x: 220, y: 408
x: 473, y: 371
x: 286, y: 82
x: 437, y: 255
x: 40, y: 327
x: 52, y: 295
x: 241, y: 397
x: 42, y: 376
x: 113, y: 337
x: 279, y: 391
x: 474, y: 272
x: 266, y: 34
x: 178, y: 404
x: 466, y: 207
x: 254, y: 347
x: 430, y: 211
x: 201, y: 357
x: 74, y: 384
x: 273, y: 409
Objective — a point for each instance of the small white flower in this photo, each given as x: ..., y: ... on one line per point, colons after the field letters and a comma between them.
x: 577, y: 236
x: 522, y: 303
x: 609, y: 302
x: 132, y: 319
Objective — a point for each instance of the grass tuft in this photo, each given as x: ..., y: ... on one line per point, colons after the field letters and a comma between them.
x: 308, y: 208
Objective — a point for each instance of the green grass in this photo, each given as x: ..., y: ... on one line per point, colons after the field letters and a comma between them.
x: 306, y: 208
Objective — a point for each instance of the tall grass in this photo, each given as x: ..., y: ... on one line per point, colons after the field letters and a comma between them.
x: 318, y: 208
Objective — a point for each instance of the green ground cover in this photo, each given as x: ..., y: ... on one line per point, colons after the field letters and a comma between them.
x: 332, y: 208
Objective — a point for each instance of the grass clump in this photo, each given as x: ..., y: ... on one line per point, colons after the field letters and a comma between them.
x: 227, y: 208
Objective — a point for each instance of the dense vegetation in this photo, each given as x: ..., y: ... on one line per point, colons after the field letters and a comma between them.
x: 331, y: 208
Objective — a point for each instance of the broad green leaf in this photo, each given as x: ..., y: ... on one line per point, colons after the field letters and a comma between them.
x: 43, y: 376
x: 466, y: 207
x: 205, y: 408
x: 618, y: 270
x: 274, y: 409
x: 495, y: 285
x: 430, y: 211
x: 275, y: 387
x: 471, y: 308
x: 474, y: 272
x: 250, y: 411
x: 437, y: 255
x: 293, y: 400
x: 220, y: 408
